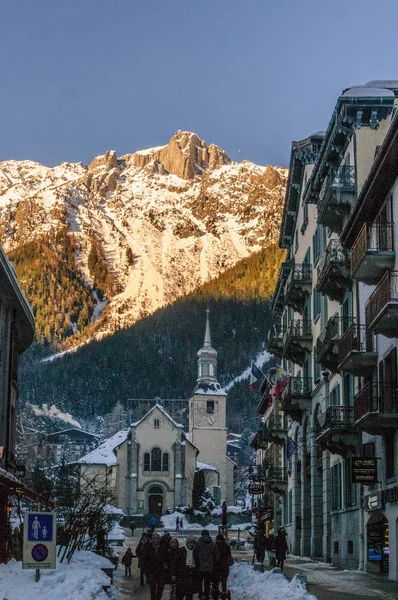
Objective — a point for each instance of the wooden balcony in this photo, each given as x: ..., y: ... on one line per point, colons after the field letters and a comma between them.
x: 327, y: 344
x: 276, y: 479
x: 376, y: 408
x: 298, y: 286
x: 334, y: 271
x: 372, y: 253
x: 356, y: 351
x: 338, y: 434
x: 382, y: 306
x: 275, y: 341
x: 337, y: 197
x: 297, y: 341
x: 296, y: 397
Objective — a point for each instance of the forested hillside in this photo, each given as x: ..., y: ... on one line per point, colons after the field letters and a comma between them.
x: 157, y: 356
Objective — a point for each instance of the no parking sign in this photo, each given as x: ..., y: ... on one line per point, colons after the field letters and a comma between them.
x: 39, y: 541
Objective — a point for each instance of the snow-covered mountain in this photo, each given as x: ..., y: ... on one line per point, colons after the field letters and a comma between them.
x: 167, y: 218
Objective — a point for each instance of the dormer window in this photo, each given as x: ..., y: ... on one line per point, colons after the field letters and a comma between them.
x: 156, y: 423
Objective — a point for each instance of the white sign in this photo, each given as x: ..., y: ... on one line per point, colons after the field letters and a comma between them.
x: 39, y: 540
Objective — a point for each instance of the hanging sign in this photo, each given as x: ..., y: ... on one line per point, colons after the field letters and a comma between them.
x: 256, y: 488
x: 39, y: 540
x: 364, y: 470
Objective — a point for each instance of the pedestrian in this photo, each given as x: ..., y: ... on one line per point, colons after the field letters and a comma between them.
x: 171, y: 553
x: 184, y: 572
x: 155, y: 564
x: 221, y: 567
x: 259, y: 546
x: 270, y: 548
x: 152, y: 523
x: 181, y: 524
x: 16, y: 544
x: 177, y: 524
x: 139, y: 553
x: 132, y: 527
x: 126, y: 561
x: 165, y: 541
x: 205, y: 556
x: 281, y: 548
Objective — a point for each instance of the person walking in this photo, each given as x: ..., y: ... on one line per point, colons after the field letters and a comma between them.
x: 152, y: 523
x: 139, y: 553
x: 165, y: 541
x: 16, y: 544
x: 177, y: 524
x: 205, y: 556
x: 132, y: 527
x: 259, y: 546
x: 221, y: 567
x: 281, y: 548
x: 155, y: 564
x: 126, y: 561
x: 171, y: 553
x: 184, y: 572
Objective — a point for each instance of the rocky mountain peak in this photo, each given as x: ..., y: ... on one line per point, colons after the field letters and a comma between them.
x: 186, y: 156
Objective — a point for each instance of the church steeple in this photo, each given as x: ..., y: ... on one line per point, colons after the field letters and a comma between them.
x: 207, y: 359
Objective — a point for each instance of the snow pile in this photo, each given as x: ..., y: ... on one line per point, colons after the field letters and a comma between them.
x: 169, y: 522
x: 246, y: 583
x: 82, y: 578
x: 116, y: 534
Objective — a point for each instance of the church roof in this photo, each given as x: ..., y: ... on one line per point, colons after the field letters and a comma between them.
x: 163, y: 411
x: 105, y: 453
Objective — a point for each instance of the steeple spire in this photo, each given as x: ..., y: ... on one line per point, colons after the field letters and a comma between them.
x: 207, y: 360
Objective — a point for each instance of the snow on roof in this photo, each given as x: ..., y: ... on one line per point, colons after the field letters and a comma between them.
x: 204, y: 467
x: 73, y: 429
x: 8, y: 475
x: 390, y: 84
x: 362, y: 91
x: 162, y: 410
x: 104, y: 454
x: 210, y: 392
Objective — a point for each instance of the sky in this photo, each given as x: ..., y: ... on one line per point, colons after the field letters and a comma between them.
x: 79, y: 77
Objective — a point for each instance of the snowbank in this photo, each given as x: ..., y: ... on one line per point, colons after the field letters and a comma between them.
x: 82, y: 578
x: 246, y: 583
x: 116, y: 533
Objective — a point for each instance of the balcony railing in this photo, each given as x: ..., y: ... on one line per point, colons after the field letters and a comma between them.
x: 275, y: 340
x: 298, y: 285
x: 381, y: 398
x: 339, y: 417
x: 382, y: 306
x: 336, y: 197
x: 372, y: 252
x: 276, y: 474
x: 299, y: 386
x: 297, y: 328
x: 333, y: 271
x: 356, y: 351
x: 297, y: 340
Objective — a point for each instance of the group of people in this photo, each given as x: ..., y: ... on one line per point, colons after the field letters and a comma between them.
x: 198, y: 567
x: 276, y: 546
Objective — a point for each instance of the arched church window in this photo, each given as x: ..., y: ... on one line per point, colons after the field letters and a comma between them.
x: 165, y: 466
x: 147, y: 461
x: 156, y: 459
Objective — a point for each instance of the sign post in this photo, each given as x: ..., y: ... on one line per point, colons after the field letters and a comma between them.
x: 39, y: 541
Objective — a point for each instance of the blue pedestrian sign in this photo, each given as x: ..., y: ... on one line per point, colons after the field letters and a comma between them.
x: 40, y: 527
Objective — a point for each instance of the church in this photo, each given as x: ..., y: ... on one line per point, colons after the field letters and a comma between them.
x: 152, y: 465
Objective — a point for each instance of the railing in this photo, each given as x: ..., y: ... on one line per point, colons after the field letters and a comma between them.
x: 299, y: 386
x: 356, y: 338
x: 339, y: 417
x: 374, y: 237
x: 274, y: 423
x: 334, y: 329
x: 297, y: 328
x: 376, y: 398
x: 302, y: 272
x: 385, y: 292
x: 333, y: 253
x: 341, y: 180
x: 277, y: 474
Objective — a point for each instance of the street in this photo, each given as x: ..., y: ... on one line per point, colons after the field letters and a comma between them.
x: 324, y: 581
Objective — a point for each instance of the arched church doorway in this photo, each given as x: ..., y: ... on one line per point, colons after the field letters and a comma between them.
x: 155, y: 500
x: 378, y: 543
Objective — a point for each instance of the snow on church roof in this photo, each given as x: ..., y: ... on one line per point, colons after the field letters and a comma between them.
x: 162, y: 410
x: 104, y: 454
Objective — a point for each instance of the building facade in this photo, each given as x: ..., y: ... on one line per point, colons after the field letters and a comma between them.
x: 332, y: 357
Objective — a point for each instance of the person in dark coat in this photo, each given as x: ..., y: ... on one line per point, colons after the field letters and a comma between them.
x: 184, y: 571
x: 270, y: 547
x: 281, y: 548
x: 165, y: 541
x: 16, y: 544
x: 205, y: 556
x: 259, y: 546
x: 126, y: 561
x: 155, y: 565
x: 139, y: 553
x: 221, y: 566
x: 132, y: 527
x: 177, y: 524
x: 171, y: 553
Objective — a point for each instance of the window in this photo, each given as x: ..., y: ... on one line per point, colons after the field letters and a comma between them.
x: 317, y: 243
x: 165, y: 465
x: 147, y: 461
x: 348, y: 390
x: 350, y: 547
x: 335, y: 396
x: 336, y: 547
x: 350, y: 488
x: 336, y: 487
x: 205, y: 370
x: 210, y: 407
x: 317, y: 304
x: 290, y: 506
x: 156, y: 459
x: 389, y: 453
x: 369, y: 450
x: 317, y: 368
x: 156, y: 423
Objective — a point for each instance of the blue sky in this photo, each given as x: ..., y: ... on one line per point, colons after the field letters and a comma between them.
x: 79, y: 77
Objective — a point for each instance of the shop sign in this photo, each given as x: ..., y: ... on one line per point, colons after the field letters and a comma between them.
x: 375, y: 541
x: 256, y: 488
x: 374, y: 501
x: 364, y: 470
x: 390, y: 495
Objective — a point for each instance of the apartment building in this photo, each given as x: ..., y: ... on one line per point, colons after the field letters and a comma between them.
x: 329, y: 339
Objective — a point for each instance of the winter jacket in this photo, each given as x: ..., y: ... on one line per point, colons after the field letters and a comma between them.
x: 205, y: 554
x: 178, y: 563
x: 140, y: 550
x: 221, y: 564
x: 127, y: 558
x: 154, y: 560
x: 281, y: 547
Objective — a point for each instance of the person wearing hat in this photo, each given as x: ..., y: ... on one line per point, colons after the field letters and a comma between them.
x: 184, y: 571
x: 221, y: 566
x: 140, y: 552
x: 205, y: 556
x: 281, y: 548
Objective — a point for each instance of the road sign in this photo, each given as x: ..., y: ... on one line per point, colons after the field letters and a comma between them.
x: 39, y: 540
